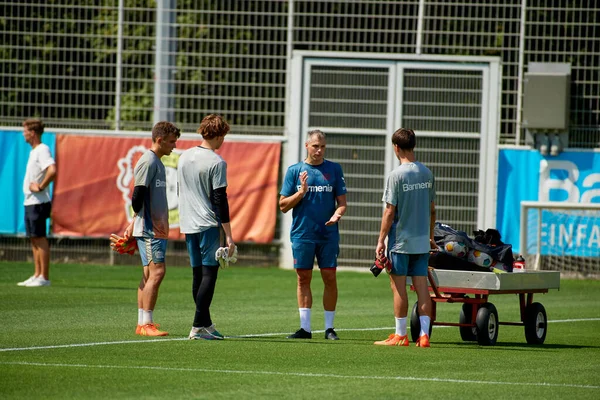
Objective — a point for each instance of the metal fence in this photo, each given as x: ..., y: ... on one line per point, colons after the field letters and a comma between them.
x: 358, y: 102
x: 92, y: 65
x: 97, y: 251
x: 97, y: 64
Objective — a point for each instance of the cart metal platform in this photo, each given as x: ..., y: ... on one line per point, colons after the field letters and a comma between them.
x: 478, y: 320
x: 497, y: 282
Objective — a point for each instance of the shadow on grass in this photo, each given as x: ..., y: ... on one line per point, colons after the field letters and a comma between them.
x: 517, y: 346
x: 314, y: 341
x: 134, y: 287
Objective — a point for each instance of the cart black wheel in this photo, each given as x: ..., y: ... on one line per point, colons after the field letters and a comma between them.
x: 487, y: 325
x: 468, y: 334
x: 415, y: 323
x: 536, y: 323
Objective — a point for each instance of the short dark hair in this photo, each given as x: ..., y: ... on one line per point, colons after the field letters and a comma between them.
x: 35, y: 125
x: 404, y: 138
x: 212, y: 126
x: 315, y: 133
x: 164, y: 129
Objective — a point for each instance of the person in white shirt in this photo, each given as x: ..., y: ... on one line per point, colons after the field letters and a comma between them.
x: 40, y: 172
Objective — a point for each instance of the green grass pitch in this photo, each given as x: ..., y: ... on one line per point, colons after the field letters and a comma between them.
x: 76, y: 340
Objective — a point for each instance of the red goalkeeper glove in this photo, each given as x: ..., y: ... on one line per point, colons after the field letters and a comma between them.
x: 122, y: 245
x: 384, y: 263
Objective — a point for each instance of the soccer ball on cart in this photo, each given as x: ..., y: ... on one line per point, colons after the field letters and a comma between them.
x: 456, y: 249
x: 480, y: 258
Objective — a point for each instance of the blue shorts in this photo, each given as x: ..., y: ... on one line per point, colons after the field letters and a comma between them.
x: 35, y: 219
x: 409, y: 264
x: 202, y: 247
x: 305, y: 253
x: 151, y: 250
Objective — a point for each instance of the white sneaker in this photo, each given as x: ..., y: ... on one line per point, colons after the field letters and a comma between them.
x: 27, y: 281
x: 38, y: 282
x: 207, y: 333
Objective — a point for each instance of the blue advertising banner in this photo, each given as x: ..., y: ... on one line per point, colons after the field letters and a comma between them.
x: 572, y: 176
x: 12, y: 172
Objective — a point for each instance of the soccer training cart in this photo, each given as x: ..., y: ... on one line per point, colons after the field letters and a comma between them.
x: 478, y: 320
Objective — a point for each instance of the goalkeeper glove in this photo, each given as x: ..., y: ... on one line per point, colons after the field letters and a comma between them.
x: 223, y: 257
x: 123, y: 246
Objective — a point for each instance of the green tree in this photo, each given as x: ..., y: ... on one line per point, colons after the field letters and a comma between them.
x: 44, y: 65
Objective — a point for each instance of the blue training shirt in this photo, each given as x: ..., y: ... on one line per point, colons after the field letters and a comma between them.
x: 325, y: 182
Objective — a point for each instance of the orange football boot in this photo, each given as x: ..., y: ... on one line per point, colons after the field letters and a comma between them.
x: 152, y: 330
x: 394, y: 340
x: 423, y: 341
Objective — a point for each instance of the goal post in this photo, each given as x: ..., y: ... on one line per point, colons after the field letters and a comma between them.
x: 561, y: 236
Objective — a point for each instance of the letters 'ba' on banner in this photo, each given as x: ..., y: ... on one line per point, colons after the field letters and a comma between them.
x: 571, y: 177
x: 92, y: 194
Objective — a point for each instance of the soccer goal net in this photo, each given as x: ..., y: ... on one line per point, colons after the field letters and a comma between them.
x: 561, y: 236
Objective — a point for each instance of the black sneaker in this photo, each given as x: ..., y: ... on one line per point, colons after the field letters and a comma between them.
x: 301, y: 334
x: 331, y: 335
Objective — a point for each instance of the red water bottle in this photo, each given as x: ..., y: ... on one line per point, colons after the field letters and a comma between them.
x: 519, y: 264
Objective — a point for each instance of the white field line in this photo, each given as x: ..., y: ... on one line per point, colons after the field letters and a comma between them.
x: 63, y: 346
x: 307, y: 375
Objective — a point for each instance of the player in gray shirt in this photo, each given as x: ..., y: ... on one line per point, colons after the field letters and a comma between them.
x: 153, y: 217
x: 150, y: 222
x: 203, y: 211
x: 407, y: 222
x: 201, y: 171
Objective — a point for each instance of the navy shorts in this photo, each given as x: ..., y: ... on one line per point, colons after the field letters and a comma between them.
x: 151, y: 250
x: 305, y: 253
x: 202, y: 247
x: 35, y: 219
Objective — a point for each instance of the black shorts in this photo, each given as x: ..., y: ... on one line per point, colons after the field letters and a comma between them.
x: 35, y: 219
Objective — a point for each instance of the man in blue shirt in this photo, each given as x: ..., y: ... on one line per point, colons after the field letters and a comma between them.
x: 409, y: 219
x: 316, y: 191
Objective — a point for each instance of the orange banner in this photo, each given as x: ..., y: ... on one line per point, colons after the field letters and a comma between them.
x: 94, y: 184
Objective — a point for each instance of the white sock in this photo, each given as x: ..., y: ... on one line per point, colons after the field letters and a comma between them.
x: 424, y: 325
x: 305, y: 319
x: 140, y: 316
x: 147, y: 319
x: 329, y: 315
x: 401, y: 326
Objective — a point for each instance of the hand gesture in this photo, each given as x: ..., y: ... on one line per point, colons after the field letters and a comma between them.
x: 333, y: 220
x: 303, y: 182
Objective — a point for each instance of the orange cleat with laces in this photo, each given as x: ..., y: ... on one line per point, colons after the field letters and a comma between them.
x: 394, y: 340
x: 152, y: 330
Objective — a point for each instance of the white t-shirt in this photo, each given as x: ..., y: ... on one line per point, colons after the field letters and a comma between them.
x: 199, y: 172
x: 39, y: 161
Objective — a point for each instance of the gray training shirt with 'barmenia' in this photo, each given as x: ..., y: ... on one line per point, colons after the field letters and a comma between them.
x: 153, y: 221
x: 411, y: 188
x: 199, y: 172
